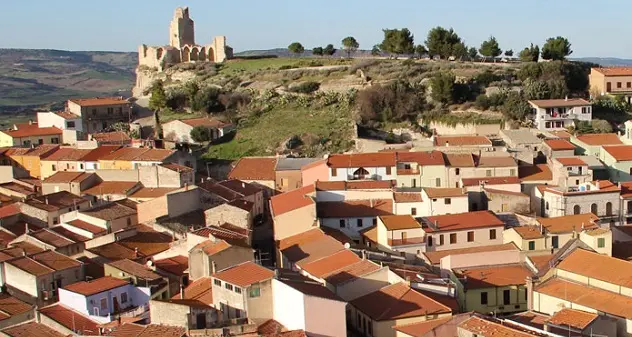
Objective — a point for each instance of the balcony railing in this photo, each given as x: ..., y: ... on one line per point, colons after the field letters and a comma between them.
x: 407, y: 172
x: 406, y: 242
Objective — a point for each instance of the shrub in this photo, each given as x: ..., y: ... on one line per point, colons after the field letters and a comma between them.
x: 396, y: 102
x: 201, y: 134
x: 207, y: 99
x: 305, y: 87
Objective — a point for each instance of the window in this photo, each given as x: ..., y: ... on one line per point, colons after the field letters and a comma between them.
x: 457, y: 171
x: 342, y: 223
x: 123, y: 297
x: 120, y: 110
x: 506, y: 297
x: 438, y: 182
x: 40, y: 141
x: 129, y: 222
x: 577, y: 209
x: 104, y: 304
x: 531, y: 245
x: 555, y: 241
x: 453, y: 238
x: 388, y: 170
x: 441, y: 240
x: 628, y: 85
x: 447, y: 201
x: 618, y: 84
x: 413, y: 211
x: 546, y: 205
x: 228, y: 286
x: 608, y: 208
x: 488, y: 173
x: 94, y: 111
x: 406, y: 166
x: 359, y: 223
x: 333, y: 172
x: 255, y: 291
x: 55, y: 221
x: 374, y: 221
x: 512, y: 172
x: 470, y: 236
x: 547, y: 125
x: 601, y: 242
x: 577, y: 182
x: 54, y: 167
x: 217, y: 282
x: 70, y: 124
x: 492, y: 234
x: 237, y: 313
x: 430, y: 241
x: 370, y: 326
x: 238, y: 290
x: 81, y: 166
x: 593, y: 209
x: 484, y: 297
x: 110, y: 111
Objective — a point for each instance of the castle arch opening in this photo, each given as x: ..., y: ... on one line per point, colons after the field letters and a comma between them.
x: 186, y: 54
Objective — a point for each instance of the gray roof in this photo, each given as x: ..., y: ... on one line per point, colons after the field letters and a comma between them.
x: 592, y: 162
x: 293, y: 164
x: 522, y: 136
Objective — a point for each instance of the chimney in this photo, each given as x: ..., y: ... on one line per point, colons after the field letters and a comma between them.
x: 371, y: 201
x: 135, y: 252
x: 46, y: 200
x: 566, y: 98
x: 447, y: 143
x: 213, y: 267
x: 363, y: 254
x: 30, y: 122
x: 181, y: 291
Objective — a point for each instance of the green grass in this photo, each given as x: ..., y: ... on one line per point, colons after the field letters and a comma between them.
x: 240, y: 66
x: 267, y: 133
x: 170, y: 116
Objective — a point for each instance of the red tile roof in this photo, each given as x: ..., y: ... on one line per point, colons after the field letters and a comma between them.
x: 614, y: 71
x: 292, y: 200
x: 98, y: 101
x: 555, y: 103
x: 537, y: 172
x: 620, y: 153
x: 569, y: 223
x: 420, y: 329
x: 94, y: 229
x: 599, y: 267
x: 529, y: 232
x: 399, y: 222
x: 212, y: 247
x: 245, y: 274
x: 404, y: 197
x: 10, y: 306
x: 421, y: 158
x: 327, y: 265
x: 559, y: 144
x: 309, y: 246
x: 445, y: 192
x: 378, y: 159
x: 459, y: 159
x: 96, y: 286
x: 68, y: 154
x: 354, y: 208
x: 31, y: 329
x: 436, y: 256
x: 111, y: 187
x: 354, y: 185
x: 116, y: 137
x: 30, y: 130
x: 152, y: 192
x: 135, y: 269
x: 208, y: 122
x: 176, y: 265
x: 254, y: 168
x: 67, y: 115
x: 71, y: 319
x: 200, y: 290
x: 573, y: 318
x: 461, y: 221
x: 30, y: 266
x: 100, y: 152
x: 49, y: 237
x: 461, y: 141
x: 397, y: 301
x: 483, y: 327
x: 490, y: 181
x: 151, y: 330
x: 67, y: 177
x: 351, y: 272
x: 494, y: 276
x: 9, y: 210
x: 600, y: 139
x: 571, y: 161
x: 55, y: 261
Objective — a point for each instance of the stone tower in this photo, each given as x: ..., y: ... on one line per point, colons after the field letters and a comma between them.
x: 181, y: 31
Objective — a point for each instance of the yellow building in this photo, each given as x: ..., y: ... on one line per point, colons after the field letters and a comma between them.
x: 611, y: 81
x: 29, y: 134
x: 64, y: 159
x: 29, y: 159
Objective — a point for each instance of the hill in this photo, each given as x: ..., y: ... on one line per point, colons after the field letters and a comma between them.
x: 34, y: 77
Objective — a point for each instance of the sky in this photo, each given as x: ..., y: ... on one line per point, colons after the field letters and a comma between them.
x: 596, y: 29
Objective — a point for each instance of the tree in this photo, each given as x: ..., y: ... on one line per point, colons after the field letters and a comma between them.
x: 530, y: 54
x: 207, y: 99
x: 329, y: 50
x: 442, y: 42
x: 472, y: 53
x: 350, y: 45
x: 158, y: 99
x: 490, y: 48
x: 509, y: 53
x: 398, y: 41
x: 536, y: 89
x: 601, y: 126
x: 296, y: 48
x: 200, y: 134
x: 376, y: 50
x: 556, y: 49
x: 420, y: 50
x: 516, y: 107
x: 442, y: 85
x: 318, y: 51
x: 459, y: 50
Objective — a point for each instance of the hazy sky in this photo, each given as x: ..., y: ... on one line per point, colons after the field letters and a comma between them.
x: 595, y: 28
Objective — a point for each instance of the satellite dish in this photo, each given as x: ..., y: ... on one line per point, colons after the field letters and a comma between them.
x: 347, y: 245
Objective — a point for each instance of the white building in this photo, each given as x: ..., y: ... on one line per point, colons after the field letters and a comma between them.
x: 552, y: 114
x: 68, y: 122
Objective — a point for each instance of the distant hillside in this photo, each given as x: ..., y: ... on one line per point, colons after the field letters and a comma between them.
x: 606, y: 61
x: 32, y: 77
x: 283, y: 52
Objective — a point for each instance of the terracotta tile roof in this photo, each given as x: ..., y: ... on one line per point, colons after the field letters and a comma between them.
x: 614, y: 71
x: 421, y: 158
x: 337, y: 234
x: 67, y: 177
x: 220, y: 233
x: 444, y: 192
x: 461, y: 221
x: 96, y: 286
x: 461, y: 140
x: 30, y: 266
x: 561, y: 134
x: 98, y: 101
x: 620, y: 153
x: 63, y: 231
x: 600, y: 139
x: 254, y: 168
x: 404, y: 197
x: 494, y: 276
x: 354, y: 208
x: 308, y: 246
x: 419, y: 329
x: 559, y: 144
x: 245, y: 274
x: 5, y: 238
x: 111, y: 187
x: 41, y: 151
x: 116, y: 137
x: 313, y: 164
x: 370, y: 233
x: 495, y: 161
x: 148, y: 241
x: 541, y: 262
x: 115, y: 251
x: 19, y: 248
x: 270, y: 327
x: 208, y: 122
x: 483, y: 327
x: 10, y: 306
x: 134, y: 269
x: 9, y: 210
x: 176, y: 265
x: 398, y: 222
x: 327, y: 265
x: 435, y: 257
x: 378, y: 159
x: 555, y: 103
x: 25, y: 191
x: 528, y: 232
x: 177, y: 167
x: 573, y: 318
x: 56, y: 201
x: 52, y: 238
x: 67, y: 115
x: 212, y: 247
x: 55, y: 261
x: 490, y: 181
x: 306, y: 285
x: 597, y: 266
x: 151, y: 330
x: 100, y: 152
x: 397, y: 301
x: 94, y: 229
x: 351, y: 272
x: 31, y: 329
x: 110, y: 211
x: 459, y: 159
x: 152, y: 192
x: 32, y: 130
x: 124, y: 154
x: 157, y: 155
x: 68, y: 154
x: 71, y: 319
x: 354, y: 185
x: 571, y: 161
x: 626, y: 190
x: 597, y: 231
x: 292, y: 200
x: 589, y: 297
x: 569, y: 223
x: 200, y: 290
x: 537, y: 172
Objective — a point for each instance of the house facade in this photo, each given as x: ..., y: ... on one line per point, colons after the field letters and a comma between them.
x: 552, y: 114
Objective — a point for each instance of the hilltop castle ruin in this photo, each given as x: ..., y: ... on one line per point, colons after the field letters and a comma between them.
x: 182, y: 47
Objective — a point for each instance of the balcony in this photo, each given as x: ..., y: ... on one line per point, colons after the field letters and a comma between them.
x: 558, y: 116
x: 406, y: 241
x: 408, y: 172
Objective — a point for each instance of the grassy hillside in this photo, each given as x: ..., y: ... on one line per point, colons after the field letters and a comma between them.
x: 30, y: 78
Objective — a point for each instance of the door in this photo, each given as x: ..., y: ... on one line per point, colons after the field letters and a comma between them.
x: 608, y: 87
x: 117, y: 308
x: 506, y: 297
x: 505, y: 208
x: 403, y: 237
x: 200, y: 321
